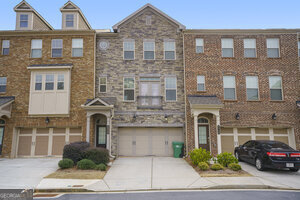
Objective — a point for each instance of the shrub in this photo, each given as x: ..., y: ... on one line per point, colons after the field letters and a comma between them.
x: 86, y: 164
x: 97, y: 155
x: 226, y: 158
x: 234, y: 167
x: 216, y: 167
x: 65, y: 163
x: 101, y: 167
x: 203, y: 166
x: 75, y: 151
x: 200, y: 155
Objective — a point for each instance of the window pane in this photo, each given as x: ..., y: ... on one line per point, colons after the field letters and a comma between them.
x: 2, y: 88
x: 49, y: 82
x: 129, y: 55
x: 57, y: 43
x: 227, y: 43
x: 169, y: 46
x: 56, y: 53
x: 252, y: 94
x: 249, y: 43
x: 199, y: 42
x: 273, y: 53
x: 273, y: 43
x: 275, y: 82
x: 128, y: 83
x: 249, y: 53
x: 5, y: 51
x: 200, y: 87
x: 251, y: 82
x: 148, y: 55
x: 24, y: 17
x: 200, y: 79
x: 77, y: 53
x: 170, y: 55
x: 36, y: 53
x: 38, y: 82
x: 103, y: 80
x: 202, y: 121
x: 102, y: 88
x: 69, y: 23
x: 128, y: 95
x: 36, y: 44
x: 229, y: 93
x: 60, y: 85
x: 171, y: 83
x: 77, y: 43
x: 23, y: 24
x: 229, y: 81
x: 171, y: 95
x: 199, y: 49
x: 60, y: 82
x: 5, y: 44
x: 202, y: 135
x: 3, y: 81
x: 129, y: 46
x: 149, y: 46
x: 276, y: 94
x: 101, y: 135
x: 226, y: 52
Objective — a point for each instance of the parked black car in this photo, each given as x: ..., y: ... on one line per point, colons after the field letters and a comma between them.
x: 268, y: 154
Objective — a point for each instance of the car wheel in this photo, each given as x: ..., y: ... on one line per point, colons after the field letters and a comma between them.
x: 237, y: 156
x: 294, y: 169
x: 259, y: 164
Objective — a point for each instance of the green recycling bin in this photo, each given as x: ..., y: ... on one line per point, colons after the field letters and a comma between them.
x: 178, y: 149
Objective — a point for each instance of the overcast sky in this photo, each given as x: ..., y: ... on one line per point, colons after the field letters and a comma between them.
x: 198, y: 14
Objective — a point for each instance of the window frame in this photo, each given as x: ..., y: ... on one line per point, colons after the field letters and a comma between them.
x: 174, y: 49
x: 54, y: 76
x: 66, y: 20
x: 255, y: 56
x: 35, y: 82
x: 102, y: 84
x: 199, y: 46
x: 58, y: 81
x: 130, y: 51
x: 129, y: 89
x: 5, y: 85
x: 20, y: 22
x: 2, y: 47
x: 281, y: 82
x: 77, y: 48
x: 258, y: 96
x: 201, y: 83
x: 235, y: 94
x: 62, y: 45
x: 279, y: 54
x: 170, y: 88
x: 36, y: 48
x: 227, y: 48
x: 148, y: 51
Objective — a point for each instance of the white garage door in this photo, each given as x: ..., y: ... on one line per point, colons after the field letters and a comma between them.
x: 232, y: 137
x: 148, y: 141
x: 45, y: 141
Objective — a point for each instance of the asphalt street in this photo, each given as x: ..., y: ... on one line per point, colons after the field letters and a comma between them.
x: 187, y: 195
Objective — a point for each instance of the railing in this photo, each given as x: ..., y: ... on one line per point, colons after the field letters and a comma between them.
x: 150, y: 102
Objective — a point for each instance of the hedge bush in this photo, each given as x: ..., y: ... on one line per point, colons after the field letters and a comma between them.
x: 216, y: 167
x: 203, y: 166
x: 66, y: 163
x: 200, y: 155
x: 97, y: 155
x: 101, y: 167
x: 86, y: 164
x: 226, y: 158
x: 75, y: 151
x: 234, y: 167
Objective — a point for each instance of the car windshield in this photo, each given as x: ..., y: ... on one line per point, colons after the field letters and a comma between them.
x: 276, y: 145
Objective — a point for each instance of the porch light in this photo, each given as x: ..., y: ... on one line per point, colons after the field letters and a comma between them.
x: 274, y: 116
x: 47, y: 120
x: 237, y: 116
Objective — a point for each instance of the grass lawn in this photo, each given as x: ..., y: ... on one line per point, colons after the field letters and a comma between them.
x: 74, y: 173
x: 220, y: 173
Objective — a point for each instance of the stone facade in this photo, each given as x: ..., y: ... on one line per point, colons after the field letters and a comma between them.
x: 213, y: 67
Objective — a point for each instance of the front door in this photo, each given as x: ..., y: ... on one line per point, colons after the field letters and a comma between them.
x: 1, y: 138
x: 101, y: 136
x: 203, y: 137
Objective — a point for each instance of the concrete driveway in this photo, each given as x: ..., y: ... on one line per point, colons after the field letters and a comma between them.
x: 25, y: 173
x: 150, y: 173
x: 285, y: 178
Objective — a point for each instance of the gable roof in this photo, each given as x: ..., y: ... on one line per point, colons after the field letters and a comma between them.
x: 6, y: 99
x: 24, y: 6
x: 148, y: 5
x: 70, y: 6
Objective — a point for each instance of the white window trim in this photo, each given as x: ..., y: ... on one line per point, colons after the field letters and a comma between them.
x: 133, y: 50
x: 174, y: 50
x: 258, y: 95
x: 279, y: 54
x: 77, y: 48
x: 170, y: 89
x: 33, y: 48
x: 124, y: 89
x: 235, y: 93
x: 281, y: 89
x: 103, y: 84
x: 248, y: 48
x: 5, y: 48
x: 69, y: 21
x: 204, y: 83
x: 62, y: 47
x: 199, y: 46
x: 227, y: 48
x: 144, y: 51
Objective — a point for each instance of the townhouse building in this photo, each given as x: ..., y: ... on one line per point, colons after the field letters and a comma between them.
x: 45, y: 77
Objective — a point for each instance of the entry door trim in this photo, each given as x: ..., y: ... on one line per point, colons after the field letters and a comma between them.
x: 97, y: 136
x: 2, y: 127
x: 207, y: 137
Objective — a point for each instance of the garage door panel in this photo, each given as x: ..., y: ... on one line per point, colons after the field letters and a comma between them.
x: 24, y: 147
x: 243, y: 139
x: 262, y: 137
x: 58, y: 145
x: 75, y: 138
x: 283, y: 139
x: 227, y: 144
x: 142, y: 145
x: 41, y: 145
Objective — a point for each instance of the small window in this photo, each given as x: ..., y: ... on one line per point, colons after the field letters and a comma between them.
x: 38, y: 82
x: 169, y: 50
x: 273, y: 47
x: 69, y: 20
x: 199, y: 45
x: 128, y: 50
x: 5, y: 47
x: 229, y: 87
x: 299, y: 48
x: 129, y: 89
x: 200, y: 83
x: 57, y: 45
x: 2, y: 122
x: 252, y: 88
x: 77, y: 47
x: 36, y: 48
x: 3, y: 82
x: 171, y: 89
x: 49, y: 82
x: 275, y: 84
x: 227, y: 47
x: 60, y: 82
x: 148, y: 20
x: 202, y: 120
x: 249, y: 48
x: 149, y: 48
x: 23, y: 21
x: 102, y: 84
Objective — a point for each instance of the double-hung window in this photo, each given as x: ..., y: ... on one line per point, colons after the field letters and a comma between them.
x: 273, y: 48
x: 249, y: 48
x: 49, y: 82
x: 57, y: 46
x: 149, y: 49
x: 5, y: 47
x: 77, y: 47
x: 38, y: 82
x: 23, y: 21
x: 69, y: 20
x: 3, y: 82
x: 199, y: 45
x: 275, y: 84
x: 128, y: 48
x: 60, y: 82
x: 169, y: 50
x: 227, y: 47
x: 128, y: 89
x: 200, y: 83
x: 252, y: 88
x: 102, y: 84
x: 36, y: 48
x: 229, y: 87
x: 171, y: 88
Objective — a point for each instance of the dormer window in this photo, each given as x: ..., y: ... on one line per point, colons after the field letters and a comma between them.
x: 24, y: 21
x: 69, y: 20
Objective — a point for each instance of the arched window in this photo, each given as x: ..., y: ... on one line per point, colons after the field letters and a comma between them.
x: 202, y: 120
x: 2, y: 122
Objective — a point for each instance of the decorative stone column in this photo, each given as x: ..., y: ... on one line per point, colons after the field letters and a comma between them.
x: 218, y: 134
x: 196, y: 131
x: 88, y: 124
